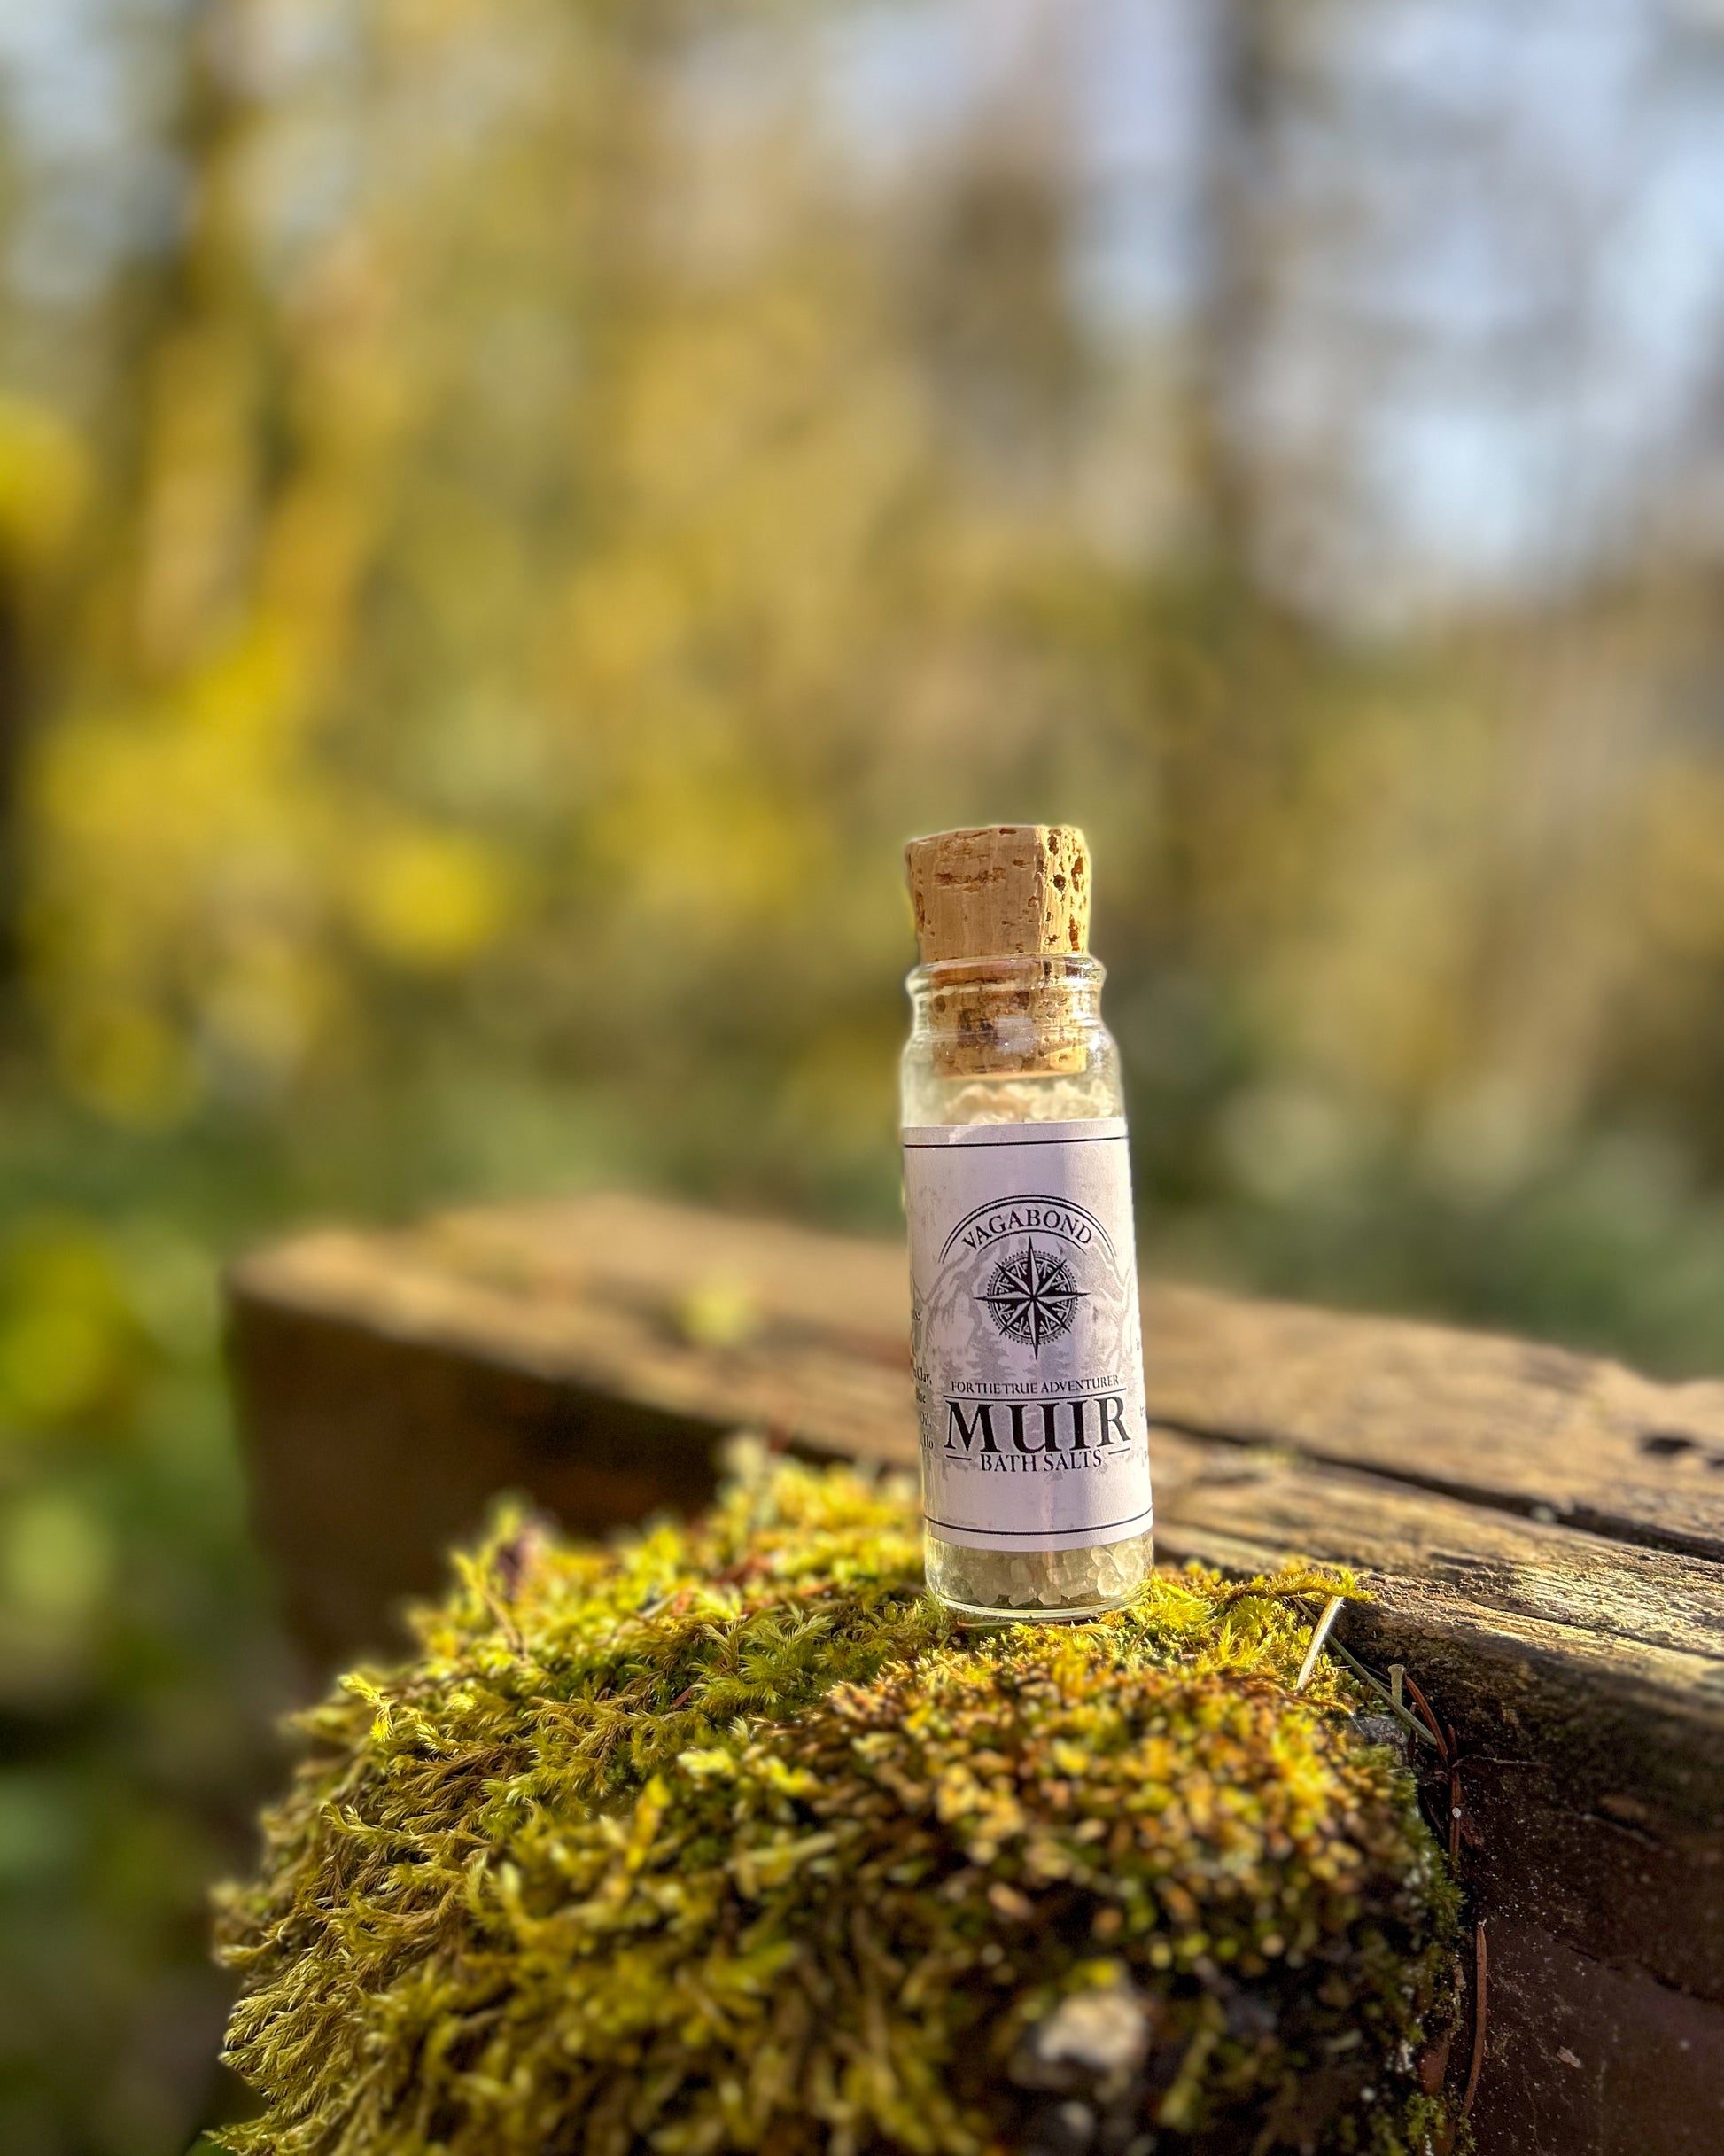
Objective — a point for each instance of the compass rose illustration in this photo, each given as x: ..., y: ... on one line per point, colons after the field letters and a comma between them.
x: 1032, y: 1296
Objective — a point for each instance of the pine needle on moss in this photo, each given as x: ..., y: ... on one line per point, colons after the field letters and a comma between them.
x: 727, y: 1839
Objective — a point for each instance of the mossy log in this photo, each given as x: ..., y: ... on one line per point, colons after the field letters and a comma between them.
x: 1542, y: 1535
x: 729, y: 1838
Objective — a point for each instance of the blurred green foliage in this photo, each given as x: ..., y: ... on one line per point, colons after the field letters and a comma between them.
x: 487, y: 583
x: 136, y: 1669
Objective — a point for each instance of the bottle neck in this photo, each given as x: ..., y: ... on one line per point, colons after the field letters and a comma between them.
x: 1034, y: 1016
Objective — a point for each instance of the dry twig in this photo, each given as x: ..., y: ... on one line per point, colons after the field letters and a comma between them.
x: 1481, y: 1964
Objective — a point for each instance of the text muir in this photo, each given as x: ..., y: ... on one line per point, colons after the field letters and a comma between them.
x: 1066, y: 1425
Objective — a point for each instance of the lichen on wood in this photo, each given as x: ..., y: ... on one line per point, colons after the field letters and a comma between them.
x: 727, y: 1838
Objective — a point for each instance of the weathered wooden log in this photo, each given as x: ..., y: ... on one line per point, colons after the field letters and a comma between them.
x: 1543, y: 1535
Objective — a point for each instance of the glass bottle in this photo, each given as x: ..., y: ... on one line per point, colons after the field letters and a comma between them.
x: 1024, y: 1294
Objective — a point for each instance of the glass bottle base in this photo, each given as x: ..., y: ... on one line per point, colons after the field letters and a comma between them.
x: 1038, y: 1586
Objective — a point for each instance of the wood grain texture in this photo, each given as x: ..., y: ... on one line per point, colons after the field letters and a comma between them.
x: 1593, y: 1774
x: 1508, y: 1422
x: 1541, y: 1535
x: 1585, y: 2059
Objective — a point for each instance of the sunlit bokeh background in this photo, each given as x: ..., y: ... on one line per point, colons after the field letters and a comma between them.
x: 512, y: 510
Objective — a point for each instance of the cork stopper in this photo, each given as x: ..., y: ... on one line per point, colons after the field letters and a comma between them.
x: 1001, y: 891
x: 1005, y: 890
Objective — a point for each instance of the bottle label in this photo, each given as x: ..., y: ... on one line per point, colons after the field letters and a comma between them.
x: 1024, y: 1332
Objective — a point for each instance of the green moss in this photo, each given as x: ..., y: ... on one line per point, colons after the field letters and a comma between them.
x: 727, y: 1839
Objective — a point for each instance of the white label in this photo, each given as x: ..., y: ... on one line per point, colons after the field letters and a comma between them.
x: 1029, y: 1355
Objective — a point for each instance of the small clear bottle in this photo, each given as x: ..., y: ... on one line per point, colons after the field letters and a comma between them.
x: 1024, y: 1295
